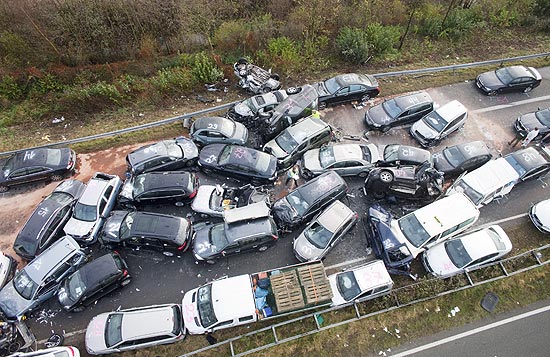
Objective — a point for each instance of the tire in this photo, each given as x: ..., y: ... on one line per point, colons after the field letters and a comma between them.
x: 527, y: 90
x: 4, y: 189
x: 242, y: 60
x: 275, y: 76
x: 56, y: 178
x: 263, y: 248
x: 386, y: 176
x: 293, y: 90
x: 322, y: 105
x: 125, y: 282
x: 365, y: 98
x: 386, y: 128
x: 78, y: 309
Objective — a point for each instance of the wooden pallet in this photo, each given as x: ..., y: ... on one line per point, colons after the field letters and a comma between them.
x: 287, y: 291
x: 315, y: 283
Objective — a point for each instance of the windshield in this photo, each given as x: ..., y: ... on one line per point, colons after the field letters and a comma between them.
x: 454, y: 156
x: 326, y: 156
x: 262, y: 165
x: 61, y: 197
x: 113, y: 330
x: 516, y: 165
x: 413, y: 230
x: 503, y: 75
x: 296, y: 200
x: 250, y: 104
x: 457, y: 253
x: 206, y: 310
x: 24, y: 285
x: 76, y: 287
x: 544, y: 117
x: 138, y: 185
x: 391, y: 153
x: 286, y: 142
x: 435, y: 121
x: 217, y: 238
x: 216, y: 199
x: 224, y: 155
x: 391, y: 108
x: 332, y: 85
x: 318, y: 235
x: 126, y: 226
x: 84, y: 212
x: 172, y: 148
x: 53, y: 157
x: 347, y: 285
x: 472, y: 194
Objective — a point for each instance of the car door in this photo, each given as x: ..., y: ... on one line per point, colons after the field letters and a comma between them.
x: 341, y: 95
x: 37, y: 173
x: 519, y: 84
x: 356, y: 92
x: 17, y: 176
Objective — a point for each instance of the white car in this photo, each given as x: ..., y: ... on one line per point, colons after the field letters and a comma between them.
x: 7, y: 265
x: 361, y: 283
x: 467, y: 251
x: 61, y: 351
x: 214, y: 200
x: 93, y: 207
x: 540, y: 215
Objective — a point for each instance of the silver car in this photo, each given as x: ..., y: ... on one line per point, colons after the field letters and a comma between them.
x: 437, y: 125
x: 345, y: 159
x: 211, y: 130
x: 324, y: 232
x: 93, y: 207
x: 214, y: 200
x: 134, y: 328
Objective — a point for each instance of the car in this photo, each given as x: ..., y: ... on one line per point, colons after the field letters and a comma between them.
x: 345, y: 159
x: 440, y: 123
x: 345, y: 88
x: 361, y: 283
x: 136, y: 229
x: 244, y: 229
x: 211, y: 130
x: 292, y: 142
x: 398, y: 111
x: 240, y: 162
x: 92, y: 281
x: 93, y: 207
x: 134, y: 328
x: 7, y: 268
x: 213, y: 200
x: 539, y: 119
x: 456, y: 159
x: 250, y: 110
x: 41, y: 278
x: 409, y: 182
x: 288, y: 112
x: 152, y: 187
x: 46, y: 222
x: 255, y: 79
x: 509, y: 79
x: 305, y: 201
x: 165, y: 155
x: 530, y: 162
x: 466, y: 252
x: 324, y: 232
x: 36, y: 165
x: 60, y: 351
x: 397, y: 154
x: 540, y: 215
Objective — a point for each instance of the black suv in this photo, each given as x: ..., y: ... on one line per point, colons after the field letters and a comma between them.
x: 307, y: 200
x: 93, y: 281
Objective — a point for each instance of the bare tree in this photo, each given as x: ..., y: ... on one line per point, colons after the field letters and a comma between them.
x: 413, y: 5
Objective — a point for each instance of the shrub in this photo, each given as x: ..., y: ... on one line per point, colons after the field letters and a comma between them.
x: 104, y: 91
x: 172, y: 79
x: 10, y: 89
x: 383, y: 39
x: 353, y: 45
x: 283, y: 53
x: 204, y: 69
x: 47, y: 83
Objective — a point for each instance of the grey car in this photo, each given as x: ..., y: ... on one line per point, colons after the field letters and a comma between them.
x: 324, y: 232
x: 539, y: 119
x: 211, y: 130
x: 345, y: 159
x: 249, y: 110
x: 41, y: 278
x: 437, y: 125
x: 454, y: 160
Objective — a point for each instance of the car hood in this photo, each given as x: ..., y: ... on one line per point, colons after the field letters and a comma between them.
x: 378, y: 115
x: 78, y: 228
x: 243, y: 110
x: 542, y: 211
x: 95, y: 334
x: 209, y: 154
x: 12, y: 304
x: 438, y: 260
x: 310, y: 161
x: 274, y: 149
x: 201, y: 243
x: 306, y: 250
x: 424, y: 130
x: 283, y: 213
x: 529, y: 121
x: 489, y: 80
x: 201, y: 202
x: 190, y: 313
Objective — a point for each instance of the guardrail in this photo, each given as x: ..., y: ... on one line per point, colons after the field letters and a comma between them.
x: 398, y: 298
x: 228, y: 105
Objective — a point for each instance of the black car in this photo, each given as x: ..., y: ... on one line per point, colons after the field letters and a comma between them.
x: 46, y: 222
x: 509, y: 79
x: 408, y: 182
x: 240, y: 162
x: 397, y: 154
x: 36, y: 165
x: 398, y: 111
x: 539, y: 119
x: 454, y: 160
x: 151, y: 187
x: 165, y: 155
x: 530, y: 162
x: 306, y: 200
x: 345, y: 88
x: 92, y: 281
x: 147, y: 230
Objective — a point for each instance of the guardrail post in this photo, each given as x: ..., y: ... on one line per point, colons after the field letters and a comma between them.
x: 231, y: 347
x: 469, y: 278
x: 503, y: 268
x: 396, y: 300
x: 537, y: 257
x: 356, y: 310
x: 274, y: 334
x: 316, y: 321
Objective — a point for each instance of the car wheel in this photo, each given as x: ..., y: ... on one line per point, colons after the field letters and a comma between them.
x: 4, y: 188
x: 56, y: 178
x: 293, y: 90
x: 379, y: 194
x: 266, y: 90
x: 365, y: 98
x: 275, y: 76
x: 493, y: 92
x: 386, y: 128
x: 322, y: 105
x: 386, y: 176
x: 263, y: 248
x: 125, y: 282
x: 78, y: 309
x: 210, y: 261
x: 527, y: 90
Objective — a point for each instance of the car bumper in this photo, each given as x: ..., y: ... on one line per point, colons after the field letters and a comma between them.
x: 536, y: 222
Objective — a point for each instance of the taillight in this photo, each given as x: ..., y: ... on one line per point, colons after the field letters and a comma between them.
x: 193, y: 194
x: 274, y: 237
x: 71, y: 350
x: 124, y: 273
x: 182, y: 247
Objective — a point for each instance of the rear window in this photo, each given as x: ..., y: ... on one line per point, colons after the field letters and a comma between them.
x: 113, y: 330
x: 177, y: 320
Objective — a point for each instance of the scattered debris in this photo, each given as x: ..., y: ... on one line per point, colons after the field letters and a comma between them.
x: 138, y: 290
x: 58, y: 120
x: 204, y: 99
x: 454, y: 312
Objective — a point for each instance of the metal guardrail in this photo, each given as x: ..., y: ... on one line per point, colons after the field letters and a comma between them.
x: 397, y: 298
x: 228, y: 105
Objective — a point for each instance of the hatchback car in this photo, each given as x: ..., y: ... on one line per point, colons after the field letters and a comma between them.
x: 539, y: 119
x: 41, y: 278
x: 36, y: 165
x: 46, y: 222
x: 509, y: 79
x: 250, y: 110
x: 92, y: 281
x: 454, y: 160
x: 93, y: 207
x: 135, y: 328
x: 345, y: 88
x: 345, y: 159
x: 212, y: 200
x: 151, y: 187
x: 540, y: 215
x: 7, y: 268
x: 211, y: 130
x: 240, y: 162
x: 397, y: 111
x: 165, y: 155
x: 467, y: 252
x: 292, y: 142
x: 324, y: 232
x: 397, y: 154
x: 307, y: 200
x: 437, y: 125
x: 156, y: 231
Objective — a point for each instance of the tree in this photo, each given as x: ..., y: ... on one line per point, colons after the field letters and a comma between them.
x: 413, y: 5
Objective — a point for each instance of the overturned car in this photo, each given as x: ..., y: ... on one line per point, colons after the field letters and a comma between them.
x: 254, y: 78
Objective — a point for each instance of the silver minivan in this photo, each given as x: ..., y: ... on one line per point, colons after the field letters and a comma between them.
x: 437, y: 125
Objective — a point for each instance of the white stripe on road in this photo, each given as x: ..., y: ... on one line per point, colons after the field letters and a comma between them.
x: 472, y: 332
x: 509, y: 105
x: 503, y: 220
x: 353, y: 261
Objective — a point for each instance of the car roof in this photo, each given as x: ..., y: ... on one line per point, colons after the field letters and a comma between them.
x: 143, y: 323
x: 406, y: 101
x: 251, y: 211
x: 55, y: 254
x: 154, y: 180
x: 223, y: 125
x: 519, y: 71
x: 372, y: 275
x: 334, y: 216
x: 345, y: 152
x: 472, y: 149
x: 353, y: 78
x: 93, y: 191
x: 451, y: 110
x: 305, y: 128
x: 233, y: 297
x: 36, y: 222
x: 320, y: 186
x: 530, y: 158
x: 296, y: 103
x: 480, y: 243
x: 147, y: 152
x: 94, y: 272
x: 148, y: 223
x: 242, y: 155
x: 409, y: 153
x: 490, y: 176
x: 37, y: 157
x: 249, y: 228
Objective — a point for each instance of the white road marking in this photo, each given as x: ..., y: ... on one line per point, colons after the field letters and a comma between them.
x: 521, y: 215
x: 509, y: 105
x: 472, y: 332
x: 353, y: 261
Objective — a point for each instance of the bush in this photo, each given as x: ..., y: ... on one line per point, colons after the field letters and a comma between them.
x: 204, y: 69
x: 283, y: 53
x: 383, y: 39
x: 353, y: 45
x: 47, y: 83
x: 172, y: 79
x: 10, y: 89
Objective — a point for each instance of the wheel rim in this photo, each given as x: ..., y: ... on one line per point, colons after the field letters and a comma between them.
x: 322, y: 105
x: 291, y: 90
x: 57, y: 178
x: 528, y: 89
x: 386, y: 176
x: 365, y: 98
x: 3, y: 188
x: 262, y: 249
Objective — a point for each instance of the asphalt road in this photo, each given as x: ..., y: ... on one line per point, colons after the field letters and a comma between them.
x: 160, y: 279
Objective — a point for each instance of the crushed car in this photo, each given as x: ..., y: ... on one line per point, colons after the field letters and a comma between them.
x: 250, y: 110
x: 255, y: 79
x: 213, y: 200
